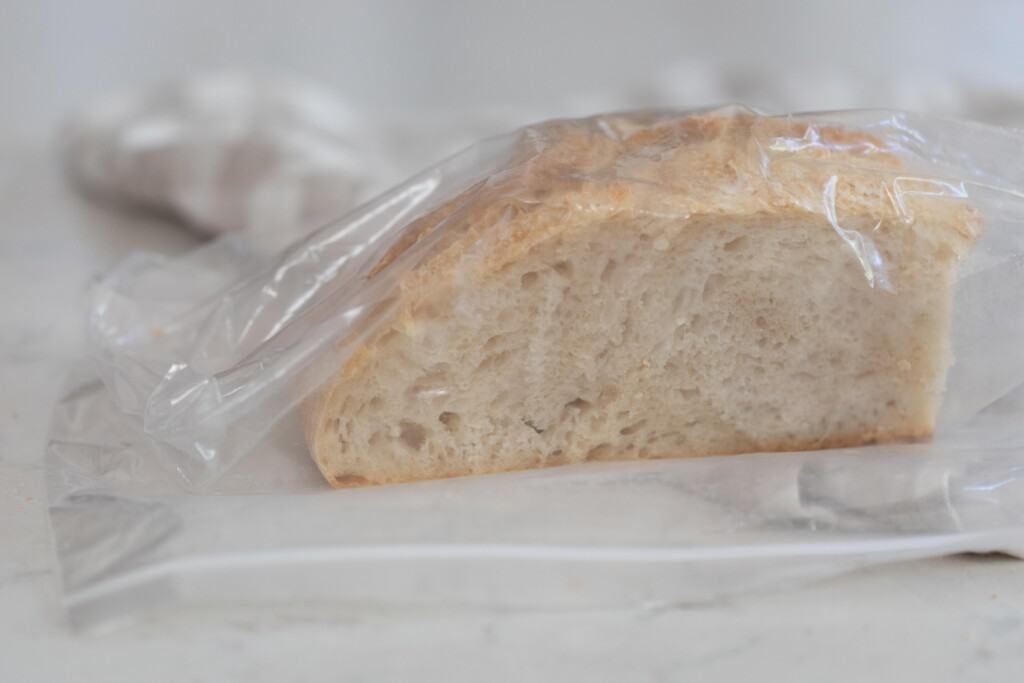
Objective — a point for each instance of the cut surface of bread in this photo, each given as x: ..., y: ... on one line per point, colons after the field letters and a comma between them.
x: 655, y: 287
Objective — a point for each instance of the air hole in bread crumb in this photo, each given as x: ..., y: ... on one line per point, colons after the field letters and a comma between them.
x: 529, y: 279
x: 376, y: 403
x: 433, y: 383
x: 736, y: 244
x: 449, y: 420
x: 711, y: 285
x: 493, y: 341
x: 600, y: 452
x: 607, y: 395
x: 563, y: 268
x: 412, y: 434
x: 530, y: 423
x: 579, y: 404
x: 494, y: 359
x: 633, y: 428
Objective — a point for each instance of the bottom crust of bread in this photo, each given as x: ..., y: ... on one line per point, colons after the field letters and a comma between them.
x: 921, y: 435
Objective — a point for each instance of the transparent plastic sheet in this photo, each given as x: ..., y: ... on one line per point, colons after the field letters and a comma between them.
x: 180, y: 475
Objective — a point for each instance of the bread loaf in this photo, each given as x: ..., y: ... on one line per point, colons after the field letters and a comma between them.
x: 653, y: 286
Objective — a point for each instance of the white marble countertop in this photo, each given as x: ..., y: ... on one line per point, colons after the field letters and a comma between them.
x: 953, y: 619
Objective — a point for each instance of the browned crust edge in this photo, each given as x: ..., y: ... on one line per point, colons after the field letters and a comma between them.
x: 837, y: 442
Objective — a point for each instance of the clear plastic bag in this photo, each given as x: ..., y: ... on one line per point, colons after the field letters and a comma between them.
x: 204, y: 360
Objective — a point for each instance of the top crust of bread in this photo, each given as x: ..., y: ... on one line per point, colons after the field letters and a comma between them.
x: 567, y: 172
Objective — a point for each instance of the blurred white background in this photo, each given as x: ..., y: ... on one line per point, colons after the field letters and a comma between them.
x: 538, y: 57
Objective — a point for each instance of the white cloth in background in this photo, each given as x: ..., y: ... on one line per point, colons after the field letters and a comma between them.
x: 224, y: 152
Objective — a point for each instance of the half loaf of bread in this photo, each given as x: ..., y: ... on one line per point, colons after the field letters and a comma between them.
x: 655, y: 286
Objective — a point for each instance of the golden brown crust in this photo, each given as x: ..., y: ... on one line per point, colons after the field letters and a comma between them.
x: 722, y: 162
